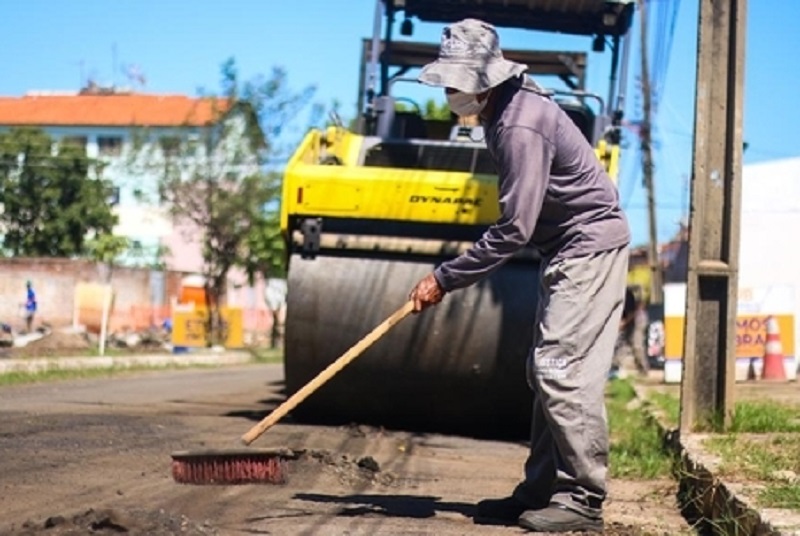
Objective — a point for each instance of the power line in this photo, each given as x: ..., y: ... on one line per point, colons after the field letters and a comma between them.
x: 666, y: 15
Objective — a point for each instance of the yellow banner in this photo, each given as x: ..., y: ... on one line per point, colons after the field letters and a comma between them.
x: 189, y: 328
x: 751, y: 335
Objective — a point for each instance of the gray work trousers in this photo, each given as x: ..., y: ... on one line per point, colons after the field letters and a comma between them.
x: 580, y: 305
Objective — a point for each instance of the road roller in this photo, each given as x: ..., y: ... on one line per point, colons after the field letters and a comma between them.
x: 369, y: 210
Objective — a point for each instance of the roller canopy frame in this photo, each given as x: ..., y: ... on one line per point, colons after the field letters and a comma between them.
x: 406, y: 55
x: 581, y: 17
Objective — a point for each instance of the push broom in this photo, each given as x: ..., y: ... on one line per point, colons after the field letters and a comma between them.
x: 268, y: 466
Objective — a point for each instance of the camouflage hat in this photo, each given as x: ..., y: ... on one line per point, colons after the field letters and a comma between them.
x: 470, y: 59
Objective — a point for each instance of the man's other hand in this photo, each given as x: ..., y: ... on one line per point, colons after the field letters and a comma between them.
x: 426, y: 293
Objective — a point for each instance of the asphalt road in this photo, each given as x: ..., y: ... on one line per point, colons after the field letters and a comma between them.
x: 93, y: 456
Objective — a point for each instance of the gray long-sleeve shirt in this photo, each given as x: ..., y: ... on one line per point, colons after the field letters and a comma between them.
x: 553, y: 191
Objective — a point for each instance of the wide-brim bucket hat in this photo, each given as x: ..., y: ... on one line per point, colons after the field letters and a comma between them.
x: 470, y: 59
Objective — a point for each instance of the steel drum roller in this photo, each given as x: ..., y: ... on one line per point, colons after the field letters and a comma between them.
x: 456, y: 368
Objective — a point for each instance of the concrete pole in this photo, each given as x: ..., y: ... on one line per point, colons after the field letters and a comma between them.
x: 709, y: 364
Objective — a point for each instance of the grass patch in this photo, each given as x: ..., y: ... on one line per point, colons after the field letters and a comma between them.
x: 266, y: 355
x: 637, y: 448
x: 781, y: 496
x: 765, y: 417
x: 762, y: 446
x: 259, y: 356
x: 773, y: 461
x: 55, y: 374
x: 669, y: 406
x: 748, y: 417
x: 759, y: 448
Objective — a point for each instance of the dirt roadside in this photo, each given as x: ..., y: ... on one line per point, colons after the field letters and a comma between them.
x: 93, y: 457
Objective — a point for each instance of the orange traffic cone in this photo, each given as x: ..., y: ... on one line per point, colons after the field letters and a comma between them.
x: 773, y: 353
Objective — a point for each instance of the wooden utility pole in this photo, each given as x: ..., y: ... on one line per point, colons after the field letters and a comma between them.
x: 709, y: 354
x: 646, y: 146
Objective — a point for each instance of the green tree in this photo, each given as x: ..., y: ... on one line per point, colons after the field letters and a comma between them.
x: 434, y: 110
x: 219, y: 183
x: 264, y: 245
x: 52, y: 197
x: 430, y: 110
x: 106, y: 249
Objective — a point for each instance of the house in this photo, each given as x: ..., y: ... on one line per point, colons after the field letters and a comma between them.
x: 768, y: 279
x: 133, y: 134
x: 114, y: 125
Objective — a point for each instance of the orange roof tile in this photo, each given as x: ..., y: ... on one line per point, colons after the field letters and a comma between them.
x: 134, y: 109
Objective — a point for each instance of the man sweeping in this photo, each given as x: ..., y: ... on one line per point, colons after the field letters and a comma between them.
x: 554, y: 196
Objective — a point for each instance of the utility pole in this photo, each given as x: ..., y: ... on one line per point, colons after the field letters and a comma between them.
x: 709, y: 355
x: 646, y: 146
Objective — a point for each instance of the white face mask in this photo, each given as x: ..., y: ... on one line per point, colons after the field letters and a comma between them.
x: 465, y: 104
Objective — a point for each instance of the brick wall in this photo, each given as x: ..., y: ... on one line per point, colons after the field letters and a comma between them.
x: 55, y: 280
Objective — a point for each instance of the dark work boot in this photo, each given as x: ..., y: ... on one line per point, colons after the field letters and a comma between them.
x: 560, y: 518
x: 504, y: 511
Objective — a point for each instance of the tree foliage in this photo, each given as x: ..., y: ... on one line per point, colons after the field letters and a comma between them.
x: 52, y: 198
x: 430, y: 110
x: 220, y: 184
x: 264, y: 244
x: 273, y: 104
x: 434, y: 110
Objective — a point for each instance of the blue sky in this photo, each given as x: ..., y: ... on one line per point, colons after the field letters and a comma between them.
x: 179, y: 46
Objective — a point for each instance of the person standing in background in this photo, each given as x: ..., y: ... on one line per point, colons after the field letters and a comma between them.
x: 630, y: 341
x: 30, y: 306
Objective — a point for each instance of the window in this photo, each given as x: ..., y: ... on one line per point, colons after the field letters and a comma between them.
x: 192, y: 144
x: 109, y: 145
x: 170, y: 145
x: 113, y: 196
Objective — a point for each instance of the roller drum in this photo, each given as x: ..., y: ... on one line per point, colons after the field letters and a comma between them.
x: 456, y: 368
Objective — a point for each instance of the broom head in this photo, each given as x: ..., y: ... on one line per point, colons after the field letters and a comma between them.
x: 226, y: 467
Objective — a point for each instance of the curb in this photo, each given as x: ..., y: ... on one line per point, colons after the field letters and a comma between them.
x: 702, y: 494
x: 44, y: 364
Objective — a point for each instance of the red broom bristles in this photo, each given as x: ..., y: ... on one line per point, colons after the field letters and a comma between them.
x: 235, y: 467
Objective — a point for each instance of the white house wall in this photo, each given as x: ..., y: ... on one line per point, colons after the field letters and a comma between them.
x: 769, y: 262
x: 770, y: 227
x: 141, y: 217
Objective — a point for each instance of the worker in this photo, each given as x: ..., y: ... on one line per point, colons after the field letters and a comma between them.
x: 30, y: 306
x: 554, y: 196
x: 622, y: 346
x: 630, y: 340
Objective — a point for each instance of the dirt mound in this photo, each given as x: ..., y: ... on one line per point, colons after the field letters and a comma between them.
x: 144, y: 523
x: 54, y: 343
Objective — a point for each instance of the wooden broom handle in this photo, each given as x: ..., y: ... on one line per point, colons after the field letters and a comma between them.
x: 320, y: 379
